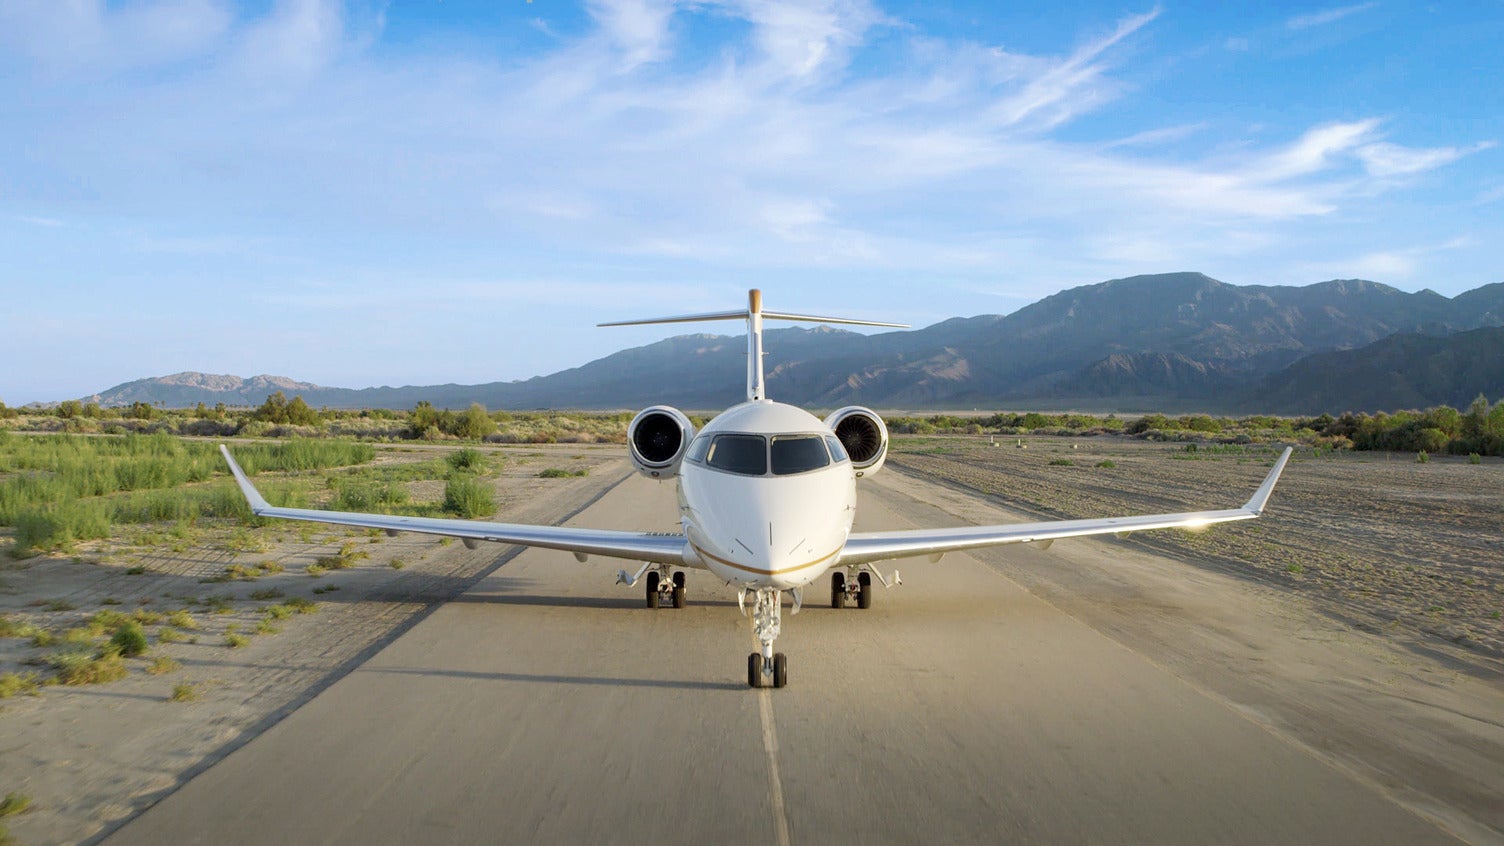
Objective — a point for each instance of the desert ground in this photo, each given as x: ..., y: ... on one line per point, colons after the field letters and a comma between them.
x: 1330, y: 672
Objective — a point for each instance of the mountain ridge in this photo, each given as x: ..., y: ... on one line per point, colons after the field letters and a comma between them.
x: 1181, y: 340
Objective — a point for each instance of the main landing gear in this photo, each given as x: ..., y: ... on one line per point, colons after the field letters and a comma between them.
x: 660, y: 591
x: 766, y: 668
x: 858, y: 589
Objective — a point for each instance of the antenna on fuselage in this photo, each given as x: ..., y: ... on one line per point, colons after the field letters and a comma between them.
x: 756, y: 389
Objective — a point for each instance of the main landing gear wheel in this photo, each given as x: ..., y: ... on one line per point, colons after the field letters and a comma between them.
x: 864, y: 589
x: 652, y: 583
x: 679, y: 589
x: 838, y: 590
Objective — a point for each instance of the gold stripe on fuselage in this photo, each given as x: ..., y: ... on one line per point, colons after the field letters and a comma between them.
x: 745, y: 568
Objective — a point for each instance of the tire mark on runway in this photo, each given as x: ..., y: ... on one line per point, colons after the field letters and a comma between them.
x: 775, y: 784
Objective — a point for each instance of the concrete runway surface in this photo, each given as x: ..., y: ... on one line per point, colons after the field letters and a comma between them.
x: 548, y: 705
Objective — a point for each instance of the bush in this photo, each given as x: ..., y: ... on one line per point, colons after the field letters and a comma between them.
x: 130, y: 640
x: 467, y: 459
x: 76, y: 668
x: 466, y: 496
x: 474, y: 424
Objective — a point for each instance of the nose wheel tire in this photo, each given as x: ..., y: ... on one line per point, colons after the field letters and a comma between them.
x: 679, y: 589
x: 652, y: 585
x: 756, y: 677
x: 837, y: 590
x: 864, y: 590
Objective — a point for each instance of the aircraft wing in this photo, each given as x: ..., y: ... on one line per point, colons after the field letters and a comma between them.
x: 637, y: 546
x: 864, y: 547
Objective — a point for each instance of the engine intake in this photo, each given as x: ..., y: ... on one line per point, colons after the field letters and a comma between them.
x: 864, y: 435
x: 656, y: 440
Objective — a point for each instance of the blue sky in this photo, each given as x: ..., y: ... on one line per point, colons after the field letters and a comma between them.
x: 418, y: 192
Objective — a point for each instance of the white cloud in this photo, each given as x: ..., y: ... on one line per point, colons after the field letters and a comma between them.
x: 1328, y: 16
x: 1054, y: 92
x: 1385, y: 159
x: 65, y: 36
x: 1315, y: 150
x: 1155, y: 137
x: 298, y: 38
x: 801, y: 37
x: 638, y: 29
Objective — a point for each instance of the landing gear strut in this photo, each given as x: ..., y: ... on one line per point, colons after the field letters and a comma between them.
x: 766, y: 668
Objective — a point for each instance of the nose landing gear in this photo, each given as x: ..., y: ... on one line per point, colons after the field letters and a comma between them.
x: 766, y: 668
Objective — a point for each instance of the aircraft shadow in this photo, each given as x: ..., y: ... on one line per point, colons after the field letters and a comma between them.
x: 622, y: 602
x: 606, y: 681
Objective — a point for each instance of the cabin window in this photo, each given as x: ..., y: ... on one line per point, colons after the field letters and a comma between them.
x: 837, y: 451
x: 798, y: 454
x: 744, y: 454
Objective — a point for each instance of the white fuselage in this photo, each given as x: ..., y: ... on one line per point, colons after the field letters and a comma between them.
x: 766, y: 530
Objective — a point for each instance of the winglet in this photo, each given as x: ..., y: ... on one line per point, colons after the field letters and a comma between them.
x: 252, y: 496
x: 1261, y: 496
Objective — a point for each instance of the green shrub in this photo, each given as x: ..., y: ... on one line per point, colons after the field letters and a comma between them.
x: 79, y: 668
x: 130, y: 640
x: 469, y: 459
x: 467, y: 497
x: 1061, y: 462
x: 1422, y: 457
x: 474, y: 424
x: 13, y: 684
x: 183, y: 692
x: 1106, y: 464
x: 14, y: 803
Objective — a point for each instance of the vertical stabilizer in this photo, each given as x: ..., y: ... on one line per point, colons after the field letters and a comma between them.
x: 756, y: 389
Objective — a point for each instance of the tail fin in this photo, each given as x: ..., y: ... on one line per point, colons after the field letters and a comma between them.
x: 754, y: 316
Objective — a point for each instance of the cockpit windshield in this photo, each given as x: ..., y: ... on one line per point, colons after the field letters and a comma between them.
x: 751, y: 455
x: 744, y: 454
x: 798, y: 454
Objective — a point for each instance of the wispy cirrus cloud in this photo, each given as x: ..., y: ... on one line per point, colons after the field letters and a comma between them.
x: 1327, y: 16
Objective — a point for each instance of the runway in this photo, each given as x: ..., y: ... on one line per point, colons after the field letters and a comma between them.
x: 548, y: 705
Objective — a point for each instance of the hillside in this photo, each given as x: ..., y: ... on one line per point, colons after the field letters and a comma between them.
x: 1402, y: 371
x: 1178, y: 340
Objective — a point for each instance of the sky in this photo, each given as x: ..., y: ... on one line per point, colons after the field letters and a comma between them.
x: 420, y: 192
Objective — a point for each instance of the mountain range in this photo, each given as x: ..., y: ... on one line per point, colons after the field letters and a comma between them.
x: 1165, y: 342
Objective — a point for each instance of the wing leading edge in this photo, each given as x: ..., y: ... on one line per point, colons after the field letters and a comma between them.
x: 865, y: 547
x: 637, y: 546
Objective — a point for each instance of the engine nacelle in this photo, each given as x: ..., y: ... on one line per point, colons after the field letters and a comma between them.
x: 657, y: 438
x: 864, y: 435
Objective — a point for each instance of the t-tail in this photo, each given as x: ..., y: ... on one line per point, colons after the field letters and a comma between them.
x: 756, y: 385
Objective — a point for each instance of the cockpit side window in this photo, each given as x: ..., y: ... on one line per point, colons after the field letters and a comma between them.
x: 798, y: 454
x: 698, y: 449
x: 744, y: 454
x: 837, y: 451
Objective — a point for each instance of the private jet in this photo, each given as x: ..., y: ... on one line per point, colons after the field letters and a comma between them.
x: 767, y: 496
